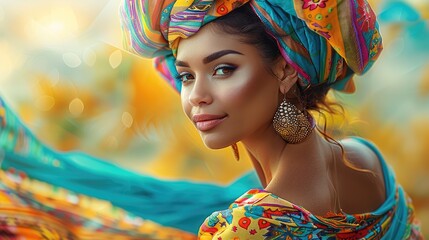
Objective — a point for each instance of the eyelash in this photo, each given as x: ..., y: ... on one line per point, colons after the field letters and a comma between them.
x: 228, y: 67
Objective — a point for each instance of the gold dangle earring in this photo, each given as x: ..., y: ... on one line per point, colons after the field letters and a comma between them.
x: 235, y: 150
x: 292, y: 124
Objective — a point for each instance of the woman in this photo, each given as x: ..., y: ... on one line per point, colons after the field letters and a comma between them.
x: 250, y: 72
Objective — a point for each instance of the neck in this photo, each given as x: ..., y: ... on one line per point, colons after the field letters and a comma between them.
x: 270, y: 150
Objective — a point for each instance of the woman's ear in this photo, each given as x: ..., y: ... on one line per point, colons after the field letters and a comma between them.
x: 286, y: 74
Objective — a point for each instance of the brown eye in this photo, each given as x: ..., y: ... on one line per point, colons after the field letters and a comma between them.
x: 224, y: 70
x: 185, y: 77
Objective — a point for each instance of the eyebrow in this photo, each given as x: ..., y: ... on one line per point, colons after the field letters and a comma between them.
x: 219, y: 54
x: 179, y: 63
x: 209, y: 58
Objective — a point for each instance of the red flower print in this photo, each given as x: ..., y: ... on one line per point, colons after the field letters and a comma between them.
x: 222, y: 9
x: 244, y: 222
x: 252, y: 232
x: 263, y: 224
x: 313, y: 4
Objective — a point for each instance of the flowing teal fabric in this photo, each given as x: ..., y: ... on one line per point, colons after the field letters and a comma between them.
x: 169, y: 203
x: 400, y: 225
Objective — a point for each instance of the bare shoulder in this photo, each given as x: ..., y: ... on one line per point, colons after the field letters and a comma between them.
x: 361, y: 156
x: 361, y: 182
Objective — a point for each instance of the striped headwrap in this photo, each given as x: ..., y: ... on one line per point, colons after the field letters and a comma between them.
x: 324, y: 40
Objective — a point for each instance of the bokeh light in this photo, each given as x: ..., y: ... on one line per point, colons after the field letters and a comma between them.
x: 64, y: 71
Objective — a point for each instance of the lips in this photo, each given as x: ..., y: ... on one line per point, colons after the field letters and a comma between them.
x: 206, y: 122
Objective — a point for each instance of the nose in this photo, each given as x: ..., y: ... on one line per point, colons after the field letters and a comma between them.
x: 200, y: 93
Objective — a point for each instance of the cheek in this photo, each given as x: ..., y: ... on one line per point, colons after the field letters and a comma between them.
x: 185, y: 103
x: 254, y: 90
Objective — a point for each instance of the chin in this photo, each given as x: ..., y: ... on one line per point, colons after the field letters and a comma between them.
x: 215, y: 142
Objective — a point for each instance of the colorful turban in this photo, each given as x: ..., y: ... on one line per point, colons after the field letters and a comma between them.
x: 324, y: 40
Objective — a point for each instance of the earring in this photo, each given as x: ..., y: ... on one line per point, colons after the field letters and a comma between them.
x: 292, y: 124
x: 235, y: 150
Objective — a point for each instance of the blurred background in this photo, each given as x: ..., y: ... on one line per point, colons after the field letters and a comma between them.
x: 63, y: 70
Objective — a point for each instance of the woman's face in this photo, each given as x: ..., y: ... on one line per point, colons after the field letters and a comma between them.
x: 227, y: 89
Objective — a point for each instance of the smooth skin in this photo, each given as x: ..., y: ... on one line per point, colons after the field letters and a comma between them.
x: 224, y: 77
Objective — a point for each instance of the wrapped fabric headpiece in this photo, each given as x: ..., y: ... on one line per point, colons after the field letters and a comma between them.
x: 326, y: 41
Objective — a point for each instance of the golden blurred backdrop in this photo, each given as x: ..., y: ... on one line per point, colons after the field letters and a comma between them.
x: 65, y: 73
